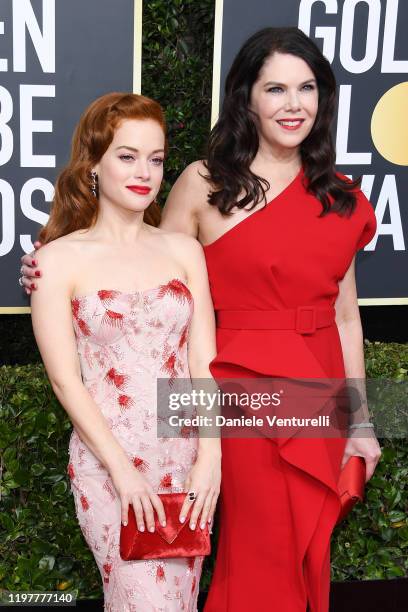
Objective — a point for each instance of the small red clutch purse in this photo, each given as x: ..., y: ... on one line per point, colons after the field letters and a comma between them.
x: 351, y: 484
x: 174, y: 540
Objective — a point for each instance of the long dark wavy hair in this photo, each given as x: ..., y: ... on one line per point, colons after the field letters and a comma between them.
x: 234, y: 140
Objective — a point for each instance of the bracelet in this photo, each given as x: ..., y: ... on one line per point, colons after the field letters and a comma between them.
x: 358, y: 425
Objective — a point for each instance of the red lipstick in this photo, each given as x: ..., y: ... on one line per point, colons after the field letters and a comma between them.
x: 290, y: 124
x: 140, y: 189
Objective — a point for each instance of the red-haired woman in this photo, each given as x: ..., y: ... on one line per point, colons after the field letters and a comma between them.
x: 121, y: 304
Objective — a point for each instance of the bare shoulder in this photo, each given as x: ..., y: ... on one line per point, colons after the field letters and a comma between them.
x: 194, y: 178
x: 62, y: 253
x: 196, y: 171
x: 186, y: 200
x: 183, y: 245
x: 187, y: 252
x: 192, y: 185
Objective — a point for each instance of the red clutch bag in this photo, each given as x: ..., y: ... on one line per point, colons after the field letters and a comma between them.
x: 351, y: 484
x: 174, y: 540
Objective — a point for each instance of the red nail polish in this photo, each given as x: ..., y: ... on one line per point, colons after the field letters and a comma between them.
x: 37, y: 273
x: 32, y: 285
x: 33, y: 262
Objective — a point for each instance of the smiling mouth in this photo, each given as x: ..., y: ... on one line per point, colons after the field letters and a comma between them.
x: 139, y: 189
x: 290, y: 124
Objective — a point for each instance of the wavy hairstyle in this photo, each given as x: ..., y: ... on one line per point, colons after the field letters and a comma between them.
x: 234, y: 140
x: 74, y: 207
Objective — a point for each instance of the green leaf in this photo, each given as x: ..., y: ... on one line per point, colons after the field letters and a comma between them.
x: 46, y: 562
x: 396, y: 516
x: 37, y: 469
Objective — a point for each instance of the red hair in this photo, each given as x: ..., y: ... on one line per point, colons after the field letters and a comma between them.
x: 74, y: 207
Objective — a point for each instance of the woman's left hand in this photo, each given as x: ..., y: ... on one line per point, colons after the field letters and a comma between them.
x: 204, y: 479
x: 364, y: 447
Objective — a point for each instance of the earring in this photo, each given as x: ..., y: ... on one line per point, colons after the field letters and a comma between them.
x: 94, y: 184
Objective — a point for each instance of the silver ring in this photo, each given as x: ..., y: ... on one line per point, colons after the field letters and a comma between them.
x: 191, y: 496
x: 21, y: 270
x: 20, y: 281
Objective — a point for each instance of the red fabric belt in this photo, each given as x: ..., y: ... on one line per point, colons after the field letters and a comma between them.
x: 303, y: 319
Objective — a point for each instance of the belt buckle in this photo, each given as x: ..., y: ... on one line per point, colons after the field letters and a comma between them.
x: 308, y: 329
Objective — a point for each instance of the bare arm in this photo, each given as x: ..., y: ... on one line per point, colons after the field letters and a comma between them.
x: 205, y: 476
x: 188, y: 192
x: 53, y: 329
x: 351, y: 338
x: 349, y: 326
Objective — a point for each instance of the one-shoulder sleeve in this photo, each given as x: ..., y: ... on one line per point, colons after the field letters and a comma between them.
x: 368, y: 221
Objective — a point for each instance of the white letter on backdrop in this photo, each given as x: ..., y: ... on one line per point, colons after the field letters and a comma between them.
x: 7, y: 217
x: 34, y: 184
x: 44, y: 43
x: 328, y: 34
x: 29, y: 126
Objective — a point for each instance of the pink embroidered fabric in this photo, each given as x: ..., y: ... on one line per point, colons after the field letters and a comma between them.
x: 125, y: 342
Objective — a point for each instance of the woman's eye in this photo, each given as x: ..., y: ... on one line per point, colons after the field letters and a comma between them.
x: 126, y: 157
x: 309, y: 87
x: 275, y: 89
x: 157, y: 161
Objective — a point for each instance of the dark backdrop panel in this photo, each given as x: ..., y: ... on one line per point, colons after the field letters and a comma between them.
x: 93, y: 56
x: 382, y: 267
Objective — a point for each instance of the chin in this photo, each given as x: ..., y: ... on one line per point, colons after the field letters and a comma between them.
x: 289, y: 143
x: 137, y: 202
x: 135, y: 207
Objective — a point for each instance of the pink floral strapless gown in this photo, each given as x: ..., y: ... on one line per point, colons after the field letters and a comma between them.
x: 125, y: 342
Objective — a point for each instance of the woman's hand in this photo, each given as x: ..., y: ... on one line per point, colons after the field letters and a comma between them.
x: 364, y: 447
x: 204, y: 480
x: 133, y: 488
x: 29, y: 269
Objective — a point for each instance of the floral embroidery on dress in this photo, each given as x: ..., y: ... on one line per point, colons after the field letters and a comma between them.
x: 71, y: 472
x: 177, y: 289
x: 116, y: 378
x: 126, y: 341
x: 108, y: 486
x: 183, y: 337
x: 107, y: 568
x: 160, y: 575
x: 80, y: 323
x: 125, y: 401
x: 166, y: 481
x: 107, y: 295
x: 140, y: 464
x: 113, y: 318
x: 84, y: 502
x: 169, y: 365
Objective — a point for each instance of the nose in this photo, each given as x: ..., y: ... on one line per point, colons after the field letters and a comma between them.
x: 292, y: 102
x: 142, y: 169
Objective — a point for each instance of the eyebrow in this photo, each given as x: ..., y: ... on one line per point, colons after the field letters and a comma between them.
x: 137, y: 150
x: 283, y: 84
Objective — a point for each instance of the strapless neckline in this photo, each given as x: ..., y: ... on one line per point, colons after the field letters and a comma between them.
x: 176, y: 283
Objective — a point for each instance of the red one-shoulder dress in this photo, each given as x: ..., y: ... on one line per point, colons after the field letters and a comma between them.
x: 279, y: 500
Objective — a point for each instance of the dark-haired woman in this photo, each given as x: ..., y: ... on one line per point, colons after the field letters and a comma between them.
x: 280, y: 230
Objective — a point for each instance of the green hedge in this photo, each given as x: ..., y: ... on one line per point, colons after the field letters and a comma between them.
x: 177, y: 71
x: 42, y: 546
